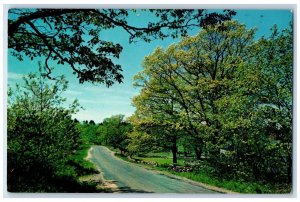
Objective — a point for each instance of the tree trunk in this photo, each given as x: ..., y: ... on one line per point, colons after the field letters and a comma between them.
x: 198, y: 148
x: 174, y: 152
x: 198, y: 152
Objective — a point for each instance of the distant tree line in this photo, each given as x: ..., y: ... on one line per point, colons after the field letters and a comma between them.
x: 113, y: 131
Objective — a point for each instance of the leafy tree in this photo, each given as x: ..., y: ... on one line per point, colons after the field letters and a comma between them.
x: 72, y: 36
x: 155, y: 126
x: 157, y: 113
x: 140, y: 143
x: 102, y: 134
x: 230, y: 94
x: 41, y: 135
x: 92, y: 122
x: 258, y: 113
x: 115, y: 132
x: 88, y: 133
x: 186, y: 80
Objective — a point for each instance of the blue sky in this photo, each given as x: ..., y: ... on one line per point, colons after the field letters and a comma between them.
x: 101, y: 102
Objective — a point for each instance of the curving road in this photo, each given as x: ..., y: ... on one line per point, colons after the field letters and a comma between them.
x: 132, y: 178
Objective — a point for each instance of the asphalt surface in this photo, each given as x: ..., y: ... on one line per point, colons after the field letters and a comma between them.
x: 131, y: 178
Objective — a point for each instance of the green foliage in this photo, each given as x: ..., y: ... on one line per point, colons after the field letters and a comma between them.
x: 160, y: 161
x: 89, y: 133
x: 181, y: 84
x: 257, y: 122
x: 139, y: 143
x: 114, y: 132
x: 204, y: 174
x: 41, y: 138
x: 80, y: 164
x: 234, y: 185
x: 227, y: 95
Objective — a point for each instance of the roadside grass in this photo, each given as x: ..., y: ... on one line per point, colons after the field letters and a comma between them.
x: 160, y: 161
x: 66, y: 179
x: 77, y: 168
x: 233, y: 185
x: 158, y: 154
x: 203, y: 177
x: 83, y: 166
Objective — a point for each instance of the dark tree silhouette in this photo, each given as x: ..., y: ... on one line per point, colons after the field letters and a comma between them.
x: 92, y: 122
x: 71, y: 36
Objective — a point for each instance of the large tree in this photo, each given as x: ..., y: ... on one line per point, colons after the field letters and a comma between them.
x: 187, y: 79
x: 232, y: 95
x: 72, y: 36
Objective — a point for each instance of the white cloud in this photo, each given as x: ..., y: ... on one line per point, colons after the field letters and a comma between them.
x: 101, y: 102
x: 14, y: 76
x: 73, y: 92
x: 84, y: 115
x: 99, y: 115
x: 88, y: 101
x: 107, y: 101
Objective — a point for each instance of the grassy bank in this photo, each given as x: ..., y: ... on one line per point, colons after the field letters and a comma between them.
x: 83, y: 166
x: 65, y: 179
x: 76, y: 168
x: 163, y: 163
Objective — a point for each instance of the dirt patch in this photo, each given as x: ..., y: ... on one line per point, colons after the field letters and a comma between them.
x: 109, y: 184
x: 89, y: 155
x: 102, y: 185
x: 96, y: 178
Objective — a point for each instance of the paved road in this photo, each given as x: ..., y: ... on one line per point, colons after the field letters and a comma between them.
x: 132, y: 178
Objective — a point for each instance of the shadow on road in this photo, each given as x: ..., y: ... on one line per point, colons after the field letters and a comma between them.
x: 130, y: 190
x: 124, y: 190
x: 111, y: 186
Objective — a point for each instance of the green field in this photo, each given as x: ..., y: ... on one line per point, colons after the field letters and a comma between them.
x: 161, y: 158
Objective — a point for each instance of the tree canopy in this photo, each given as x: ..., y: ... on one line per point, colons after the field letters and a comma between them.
x: 72, y: 36
x: 180, y: 84
x: 230, y: 94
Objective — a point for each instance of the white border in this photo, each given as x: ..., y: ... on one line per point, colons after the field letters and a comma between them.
x: 148, y: 4
x: 156, y: 6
